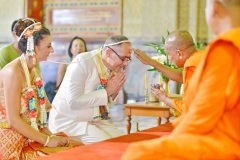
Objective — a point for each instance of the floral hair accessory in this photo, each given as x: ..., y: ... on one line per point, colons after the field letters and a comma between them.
x: 32, y: 30
x: 28, y: 33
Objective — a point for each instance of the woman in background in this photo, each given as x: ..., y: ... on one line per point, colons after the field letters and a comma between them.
x: 76, y: 46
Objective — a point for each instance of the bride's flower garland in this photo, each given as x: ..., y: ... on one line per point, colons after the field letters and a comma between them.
x: 28, y: 33
x: 31, y: 97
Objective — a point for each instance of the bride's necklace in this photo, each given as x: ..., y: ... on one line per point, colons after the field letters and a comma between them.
x: 31, y: 97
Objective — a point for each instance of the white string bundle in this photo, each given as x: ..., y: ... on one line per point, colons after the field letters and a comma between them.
x: 112, y: 44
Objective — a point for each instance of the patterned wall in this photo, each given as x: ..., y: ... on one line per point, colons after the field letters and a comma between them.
x: 90, y: 19
x: 150, y: 18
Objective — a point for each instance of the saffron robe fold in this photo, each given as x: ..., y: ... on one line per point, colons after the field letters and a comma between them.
x: 189, y: 68
x: 209, y: 127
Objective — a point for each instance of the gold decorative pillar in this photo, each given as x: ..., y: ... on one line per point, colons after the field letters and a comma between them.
x: 202, y: 28
x: 193, y: 17
x: 35, y: 9
x: 183, y: 14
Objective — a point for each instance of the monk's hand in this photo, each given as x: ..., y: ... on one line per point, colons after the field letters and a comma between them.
x: 115, y: 82
x: 159, y: 92
x: 143, y: 57
x: 57, y: 141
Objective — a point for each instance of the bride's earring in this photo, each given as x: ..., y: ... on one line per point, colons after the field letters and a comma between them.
x: 34, y: 60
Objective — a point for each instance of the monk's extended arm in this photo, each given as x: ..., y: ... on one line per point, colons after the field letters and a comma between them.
x: 171, y: 73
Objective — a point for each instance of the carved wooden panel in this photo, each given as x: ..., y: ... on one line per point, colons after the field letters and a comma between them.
x: 86, y: 18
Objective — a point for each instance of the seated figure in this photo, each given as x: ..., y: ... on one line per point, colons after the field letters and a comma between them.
x: 23, y: 102
x: 182, y: 52
x: 92, y: 80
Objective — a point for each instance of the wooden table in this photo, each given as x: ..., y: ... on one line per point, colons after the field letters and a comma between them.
x: 141, y: 109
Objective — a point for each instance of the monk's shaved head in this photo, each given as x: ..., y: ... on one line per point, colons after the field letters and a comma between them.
x: 179, y: 47
x: 222, y: 15
x: 179, y: 40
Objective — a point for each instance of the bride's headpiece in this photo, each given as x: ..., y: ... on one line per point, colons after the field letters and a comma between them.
x: 28, y: 33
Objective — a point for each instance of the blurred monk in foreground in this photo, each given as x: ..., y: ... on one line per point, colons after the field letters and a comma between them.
x: 209, y: 127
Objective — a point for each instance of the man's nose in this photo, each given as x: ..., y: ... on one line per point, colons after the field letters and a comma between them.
x: 125, y: 63
x: 52, y: 51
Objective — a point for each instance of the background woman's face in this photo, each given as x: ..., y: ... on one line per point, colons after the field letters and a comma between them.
x: 77, y: 47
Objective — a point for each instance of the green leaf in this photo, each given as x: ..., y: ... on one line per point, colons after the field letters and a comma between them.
x: 168, y: 32
x: 163, y: 40
x: 164, y: 77
x: 152, y: 69
x: 195, y: 41
x: 200, y: 45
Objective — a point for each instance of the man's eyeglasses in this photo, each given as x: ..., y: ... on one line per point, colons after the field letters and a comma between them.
x: 122, y: 59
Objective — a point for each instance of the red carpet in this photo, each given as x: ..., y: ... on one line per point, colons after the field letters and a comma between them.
x: 111, y: 149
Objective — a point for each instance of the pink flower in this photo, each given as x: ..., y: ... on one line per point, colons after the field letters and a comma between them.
x: 37, y: 27
x: 103, y: 81
x: 28, y: 33
x: 30, y: 94
x: 42, y: 101
x: 38, y: 83
x: 33, y: 114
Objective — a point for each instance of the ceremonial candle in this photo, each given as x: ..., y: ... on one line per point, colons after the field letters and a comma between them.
x: 160, y: 79
x: 145, y: 81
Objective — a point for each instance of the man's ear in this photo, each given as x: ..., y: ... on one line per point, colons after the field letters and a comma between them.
x: 180, y: 54
x: 108, y: 52
x: 218, y: 9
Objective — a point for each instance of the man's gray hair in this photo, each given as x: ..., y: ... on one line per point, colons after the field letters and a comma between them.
x: 116, y: 40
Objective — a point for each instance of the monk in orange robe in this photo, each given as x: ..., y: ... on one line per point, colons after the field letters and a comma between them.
x: 189, y: 68
x: 209, y: 127
x: 183, y: 53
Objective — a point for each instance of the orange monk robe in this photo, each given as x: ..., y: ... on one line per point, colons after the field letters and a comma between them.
x: 209, y: 127
x: 189, y: 68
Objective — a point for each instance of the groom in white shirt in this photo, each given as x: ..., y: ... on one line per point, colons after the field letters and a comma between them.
x: 92, y: 80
